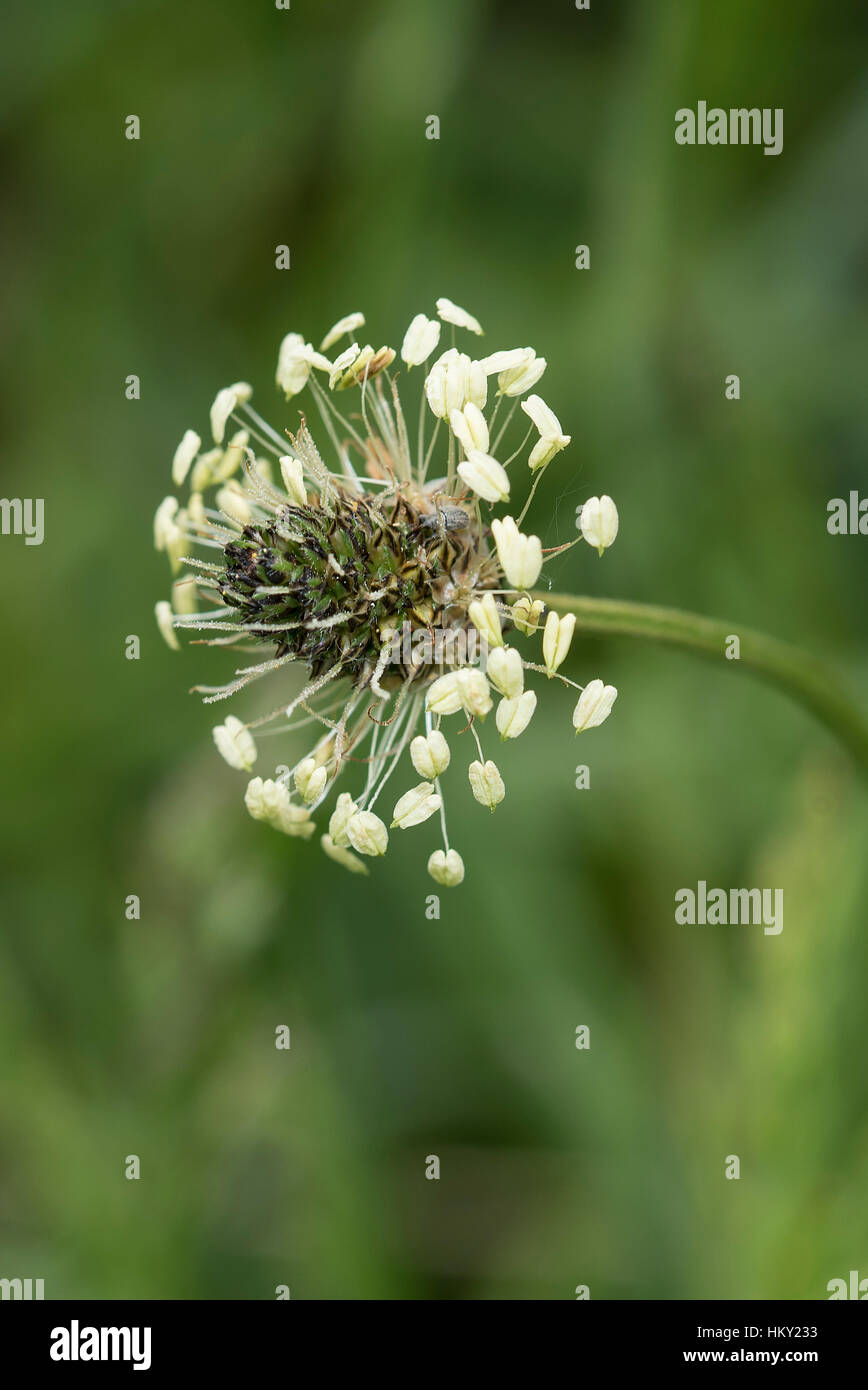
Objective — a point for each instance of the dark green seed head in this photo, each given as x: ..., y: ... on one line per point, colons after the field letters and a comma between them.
x: 326, y: 583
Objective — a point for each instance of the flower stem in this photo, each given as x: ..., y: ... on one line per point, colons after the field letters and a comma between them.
x: 801, y: 676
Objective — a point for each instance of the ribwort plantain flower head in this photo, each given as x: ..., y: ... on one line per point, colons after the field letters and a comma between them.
x: 364, y: 551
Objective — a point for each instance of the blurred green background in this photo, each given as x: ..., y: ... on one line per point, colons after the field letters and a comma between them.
x: 456, y: 1036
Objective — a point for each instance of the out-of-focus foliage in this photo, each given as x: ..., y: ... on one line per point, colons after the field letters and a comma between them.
x: 409, y: 1036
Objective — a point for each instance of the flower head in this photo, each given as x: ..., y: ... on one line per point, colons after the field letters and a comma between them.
x: 376, y: 571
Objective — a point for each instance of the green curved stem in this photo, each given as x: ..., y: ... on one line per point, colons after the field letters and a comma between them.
x: 801, y: 676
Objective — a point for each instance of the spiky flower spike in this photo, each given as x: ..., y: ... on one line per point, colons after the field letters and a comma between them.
x: 392, y: 587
